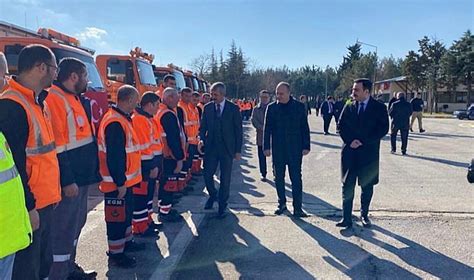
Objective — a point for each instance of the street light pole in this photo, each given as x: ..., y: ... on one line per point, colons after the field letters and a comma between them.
x: 375, y: 66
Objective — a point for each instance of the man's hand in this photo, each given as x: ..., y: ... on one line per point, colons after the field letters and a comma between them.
x: 71, y: 190
x: 267, y: 153
x: 356, y: 144
x: 179, y: 166
x: 238, y: 156
x: 121, y: 192
x: 305, y: 152
x: 154, y: 173
x: 200, y: 145
x: 34, y: 219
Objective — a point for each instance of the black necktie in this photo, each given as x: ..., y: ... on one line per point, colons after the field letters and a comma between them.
x: 361, y: 108
x: 218, y: 110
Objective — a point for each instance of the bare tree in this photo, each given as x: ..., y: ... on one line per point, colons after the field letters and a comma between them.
x: 201, y: 64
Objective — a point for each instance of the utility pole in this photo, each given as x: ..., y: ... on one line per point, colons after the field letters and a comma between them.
x: 375, y: 66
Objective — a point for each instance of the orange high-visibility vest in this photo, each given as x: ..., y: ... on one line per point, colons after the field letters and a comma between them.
x: 42, y: 165
x: 166, y: 150
x: 191, y: 122
x: 149, y: 136
x: 132, y: 150
x: 71, y: 125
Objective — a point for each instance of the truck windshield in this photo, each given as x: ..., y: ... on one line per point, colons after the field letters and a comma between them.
x: 180, y: 83
x: 145, y: 72
x: 195, y: 84
x: 95, y: 83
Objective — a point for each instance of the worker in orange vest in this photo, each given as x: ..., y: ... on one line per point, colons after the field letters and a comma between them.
x: 25, y: 121
x: 174, y: 142
x: 191, y: 128
x: 149, y: 135
x: 168, y: 81
x: 78, y: 165
x: 120, y: 167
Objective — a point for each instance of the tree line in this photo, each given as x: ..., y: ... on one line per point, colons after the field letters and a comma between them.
x: 431, y: 67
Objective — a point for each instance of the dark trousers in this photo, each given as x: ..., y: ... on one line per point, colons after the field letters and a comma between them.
x: 34, y: 262
x: 165, y: 198
x: 348, y: 196
x: 192, y: 151
x: 404, y: 136
x: 262, y: 161
x: 69, y: 217
x: 327, y: 122
x: 218, y: 156
x: 118, y: 233
x: 294, y: 168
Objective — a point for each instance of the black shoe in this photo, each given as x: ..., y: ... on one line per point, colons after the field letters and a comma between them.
x: 122, y: 260
x: 209, y: 204
x: 411, y: 129
x: 156, y: 226
x: 300, y: 214
x: 264, y: 179
x: 422, y: 130
x: 280, y: 210
x: 392, y: 152
x: 150, y: 232
x: 365, y: 221
x: 171, y: 217
x: 404, y: 153
x: 222, y: 212
x: 344, y: 224
x: 326, y: 133
x: 132, y: 246
x: 78, y: 273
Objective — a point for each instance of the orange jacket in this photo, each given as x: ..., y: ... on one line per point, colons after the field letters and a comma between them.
x: 132, y: 149
x: 149, y: 134
x: 191, y: 122
x: 41, y: 159
x: 71, y: 126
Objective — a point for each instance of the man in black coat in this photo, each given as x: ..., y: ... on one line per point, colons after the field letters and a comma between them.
x: 362, y: 125
x: 221, y: 135
x: 400, y: 112
x: 286, y: 133
x: 327, y: 112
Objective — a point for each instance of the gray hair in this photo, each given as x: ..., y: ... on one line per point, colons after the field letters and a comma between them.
x: 3, y: 62
x: 169, y: 91
x: 400, y: 94
x: 125, y: 93
x: 285, y: 84
x: 219, y: 86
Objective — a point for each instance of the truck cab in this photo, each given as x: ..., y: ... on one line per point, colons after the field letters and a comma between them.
x: 192, y: 81
x: 14, y: 38
x: 134, y: 69
x: 160, y: 73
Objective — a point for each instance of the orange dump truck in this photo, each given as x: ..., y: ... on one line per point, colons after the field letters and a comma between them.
x: 134, y: 69
x: 13, y: 38
x: 160, y: 73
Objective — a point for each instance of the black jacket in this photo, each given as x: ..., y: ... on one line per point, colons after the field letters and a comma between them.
x: 369, y: 128
x: 325, y: 109
x: 286, y: 130
x: 231, y: 127
x: 400, y: 112
x: 338, y: 106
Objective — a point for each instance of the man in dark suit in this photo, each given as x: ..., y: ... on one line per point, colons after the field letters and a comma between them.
x: 286, y: 133
x: 327, y: 112
x: 362, y: 125
x: 400, y: 112
x: 221, y: 135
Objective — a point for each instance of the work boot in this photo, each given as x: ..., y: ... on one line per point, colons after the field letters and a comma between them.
x: 280, y: 210
x: 132, y: 246
x: 122, y: 260
x: 172, y: 217
x: 78, y: 273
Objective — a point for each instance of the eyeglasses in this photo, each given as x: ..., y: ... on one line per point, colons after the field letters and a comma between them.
x: 52, y: 66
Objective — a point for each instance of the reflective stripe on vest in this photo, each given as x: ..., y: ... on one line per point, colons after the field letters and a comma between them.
x: 73, y: 143
x: 8, y: 175
x: 41, y: 148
